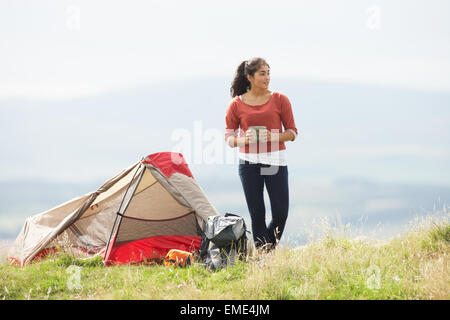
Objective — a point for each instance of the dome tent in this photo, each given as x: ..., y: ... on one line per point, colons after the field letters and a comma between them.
x: 140, y: 214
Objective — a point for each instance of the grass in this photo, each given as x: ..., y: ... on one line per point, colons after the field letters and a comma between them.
x: 413, y: 266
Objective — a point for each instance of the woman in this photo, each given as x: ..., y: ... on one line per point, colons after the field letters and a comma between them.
x: 262, y: 159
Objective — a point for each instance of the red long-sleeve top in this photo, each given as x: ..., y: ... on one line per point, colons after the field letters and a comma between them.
x: 274, y: 114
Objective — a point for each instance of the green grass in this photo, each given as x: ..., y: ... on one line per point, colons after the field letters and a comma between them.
x: 414, y: 266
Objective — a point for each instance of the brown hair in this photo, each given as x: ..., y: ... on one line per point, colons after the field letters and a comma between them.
x: 240, y: 82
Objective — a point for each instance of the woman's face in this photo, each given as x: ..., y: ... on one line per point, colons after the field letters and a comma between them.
x: 261, y: 78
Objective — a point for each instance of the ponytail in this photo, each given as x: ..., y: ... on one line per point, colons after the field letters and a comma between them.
x: 240, y: 84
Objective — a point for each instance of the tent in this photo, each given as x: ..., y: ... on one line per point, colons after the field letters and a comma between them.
x: 140, y: 214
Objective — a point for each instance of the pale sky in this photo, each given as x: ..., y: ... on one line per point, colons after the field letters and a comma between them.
x: 64, y: 49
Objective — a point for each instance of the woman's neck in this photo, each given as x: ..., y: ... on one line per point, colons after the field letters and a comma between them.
x: 257, y: 92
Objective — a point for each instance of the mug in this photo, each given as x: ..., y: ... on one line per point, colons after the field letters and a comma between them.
x: 257, y: 128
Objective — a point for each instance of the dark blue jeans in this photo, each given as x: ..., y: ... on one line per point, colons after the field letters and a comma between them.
x: 253, y: 177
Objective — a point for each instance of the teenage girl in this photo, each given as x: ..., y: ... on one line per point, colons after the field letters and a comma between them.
x: 262, y: 158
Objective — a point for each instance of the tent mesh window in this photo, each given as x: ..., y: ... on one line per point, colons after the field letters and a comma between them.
x: 132, y: 229
x: 165, y: 217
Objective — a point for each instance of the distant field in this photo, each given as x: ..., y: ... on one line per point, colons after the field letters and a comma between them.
x: 4, y: 245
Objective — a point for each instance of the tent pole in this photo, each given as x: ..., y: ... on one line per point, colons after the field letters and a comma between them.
x: 118, y: 211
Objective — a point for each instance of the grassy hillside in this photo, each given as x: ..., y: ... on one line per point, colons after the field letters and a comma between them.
x: 414, y: 266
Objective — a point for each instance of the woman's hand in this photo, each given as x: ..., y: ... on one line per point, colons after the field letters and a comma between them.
x: 250, y: 136
x: 264, y: 136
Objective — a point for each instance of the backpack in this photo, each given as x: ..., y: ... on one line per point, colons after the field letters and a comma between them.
x: 224, y: 241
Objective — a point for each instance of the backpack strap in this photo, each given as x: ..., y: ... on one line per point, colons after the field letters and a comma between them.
x: 203, y: 244
x: 231, y: 215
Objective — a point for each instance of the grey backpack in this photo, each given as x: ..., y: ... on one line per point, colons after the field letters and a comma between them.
x: 224, y: 240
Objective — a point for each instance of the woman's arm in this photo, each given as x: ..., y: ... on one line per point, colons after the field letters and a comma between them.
x: 268, y: 136
x: 287, y: 117
x: 235, y: 141
x: 282, y: 136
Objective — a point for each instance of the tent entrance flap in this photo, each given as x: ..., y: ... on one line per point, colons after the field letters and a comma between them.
x: 123, y: 205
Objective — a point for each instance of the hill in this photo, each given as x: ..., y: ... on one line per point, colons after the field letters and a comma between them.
x: 334, y: 266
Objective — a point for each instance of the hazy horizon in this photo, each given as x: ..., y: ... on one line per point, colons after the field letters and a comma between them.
x: 382, y: 176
